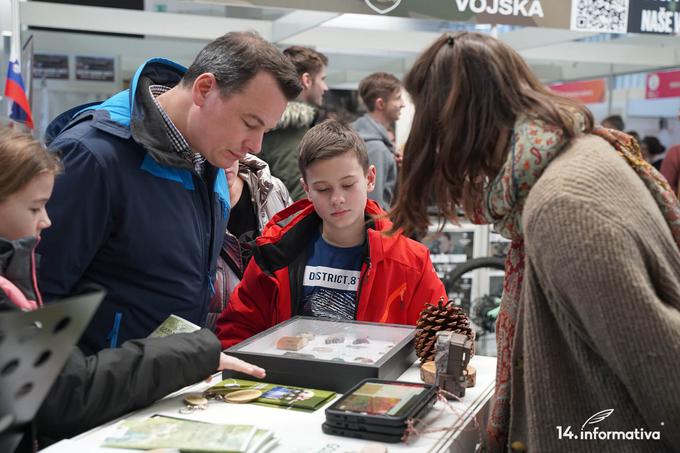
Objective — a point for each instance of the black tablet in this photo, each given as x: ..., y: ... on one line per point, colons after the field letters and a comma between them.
x: 382, y: 429
x: 367, y: 435
x: 381, y: 402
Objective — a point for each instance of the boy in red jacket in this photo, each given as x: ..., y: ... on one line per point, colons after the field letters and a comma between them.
x: 327, y: 256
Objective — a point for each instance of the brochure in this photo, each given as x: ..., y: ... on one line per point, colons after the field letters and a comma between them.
x: 282, y: 396
x: 174, y: 324
x: 185, y: 435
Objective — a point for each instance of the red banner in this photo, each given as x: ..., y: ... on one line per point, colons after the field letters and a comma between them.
x: 663, y: 85
x: 586, y: 91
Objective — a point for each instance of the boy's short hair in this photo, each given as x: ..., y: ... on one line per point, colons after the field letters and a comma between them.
x: 377, y: 85
x: 614, y: 122
x: 330, y: 139
x: 306, y: 59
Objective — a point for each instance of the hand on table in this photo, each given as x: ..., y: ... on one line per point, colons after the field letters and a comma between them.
x: 228, y: 362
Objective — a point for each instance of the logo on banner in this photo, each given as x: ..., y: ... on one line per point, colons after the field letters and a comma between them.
x: 595, y: 433
x: 526, y: 8
x: 382, y: 6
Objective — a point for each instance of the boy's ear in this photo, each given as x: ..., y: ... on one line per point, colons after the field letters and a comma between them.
x: 305, y: 187
x: 370, y: 178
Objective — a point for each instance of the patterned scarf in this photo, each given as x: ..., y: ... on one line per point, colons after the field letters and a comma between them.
x: 534, y: 144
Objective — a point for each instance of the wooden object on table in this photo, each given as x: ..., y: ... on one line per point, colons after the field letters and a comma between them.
x: 292, y: 343
x: 452, y: 355
x: 470, y: 376
x: 428, y: 372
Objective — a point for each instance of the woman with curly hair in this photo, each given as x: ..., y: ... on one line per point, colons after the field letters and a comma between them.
x: 590, y: 316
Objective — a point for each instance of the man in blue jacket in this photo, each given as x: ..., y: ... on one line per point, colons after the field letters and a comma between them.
x: 143, y: 204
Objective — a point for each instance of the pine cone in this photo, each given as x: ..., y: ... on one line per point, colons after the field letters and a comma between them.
x: 434, y: 318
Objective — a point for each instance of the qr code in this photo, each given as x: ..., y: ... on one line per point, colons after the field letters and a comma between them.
x: 602, y: 16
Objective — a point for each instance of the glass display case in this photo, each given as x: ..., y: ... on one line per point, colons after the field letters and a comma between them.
x: 328, y: 354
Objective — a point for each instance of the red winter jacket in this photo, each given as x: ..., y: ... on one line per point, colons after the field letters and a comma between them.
x: 397, y: 278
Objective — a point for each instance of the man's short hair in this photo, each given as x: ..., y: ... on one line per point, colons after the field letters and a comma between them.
x: 330, y: 139
x: 377, y: 85
x: 614, y: 122
x: 306, y: 59
x: 237, y: 57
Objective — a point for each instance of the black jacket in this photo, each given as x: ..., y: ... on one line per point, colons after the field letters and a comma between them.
x: 95, y: 389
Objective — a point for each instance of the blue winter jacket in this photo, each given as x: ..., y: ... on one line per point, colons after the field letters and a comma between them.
x: 131, y: 215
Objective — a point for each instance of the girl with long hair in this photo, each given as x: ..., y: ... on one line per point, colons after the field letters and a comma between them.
x: 94, y: 389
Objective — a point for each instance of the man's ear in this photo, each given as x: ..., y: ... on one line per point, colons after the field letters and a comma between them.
x: 201, y: 87
x: 379, y: 104
x: 370, y: 178
x: 306, y: 80
x: 305, y: 187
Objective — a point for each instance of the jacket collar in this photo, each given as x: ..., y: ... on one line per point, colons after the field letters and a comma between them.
x: 292, y: 227
x: 297, y: 115
x: 17, y: 264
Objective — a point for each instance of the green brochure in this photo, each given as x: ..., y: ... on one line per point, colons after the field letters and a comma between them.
x: 275, y: 395
x: 185, y: 435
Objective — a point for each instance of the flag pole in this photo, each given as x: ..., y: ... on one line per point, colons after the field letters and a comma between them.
x: 20, y: 109
x: 15, y: 40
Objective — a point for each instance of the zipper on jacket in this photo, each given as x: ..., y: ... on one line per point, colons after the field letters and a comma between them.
x: 212, y: 286
x: 361, y: 284
x: 34, y: 275
x: 206, y: 208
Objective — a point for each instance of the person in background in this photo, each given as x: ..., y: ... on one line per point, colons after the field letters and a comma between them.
x: 653, y: 151
x: 614, y: 122
x: 143, y: 203
x: 594, y: 265
x: 279, y: 148
x: 327, y: 256
x: 256, y: 196
x: 635, y: 135
x: 381, y: 93
x: 670, y: 167
x: 90, y: 390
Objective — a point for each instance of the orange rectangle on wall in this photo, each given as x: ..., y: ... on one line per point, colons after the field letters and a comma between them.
x: 586, y: 91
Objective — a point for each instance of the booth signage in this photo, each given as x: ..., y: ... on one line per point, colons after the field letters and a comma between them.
x: 600, y: 16
x: 100, y: 69
x: 654, y: 16
x: 46, y: 66
x: 663, y: 85
x: 586, y: 91
x: 531, y: 13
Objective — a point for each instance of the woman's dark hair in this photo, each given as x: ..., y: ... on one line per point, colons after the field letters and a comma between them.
x: 467, y: 89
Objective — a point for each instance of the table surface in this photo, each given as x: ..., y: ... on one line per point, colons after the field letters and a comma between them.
x: 299, y: 432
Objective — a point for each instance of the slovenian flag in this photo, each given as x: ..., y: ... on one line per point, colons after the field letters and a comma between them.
x: 15, y: 90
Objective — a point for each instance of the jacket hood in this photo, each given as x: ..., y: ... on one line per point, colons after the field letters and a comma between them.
x: 131, y: 113
x: 16, y: 264
x: 251, y: 165
x: 370, y: 130
x: 297, y: 115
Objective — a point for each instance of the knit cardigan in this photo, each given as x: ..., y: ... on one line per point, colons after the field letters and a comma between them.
x: 599, y: 317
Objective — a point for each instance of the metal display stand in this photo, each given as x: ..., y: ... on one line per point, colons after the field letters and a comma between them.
x: 33, y: 349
